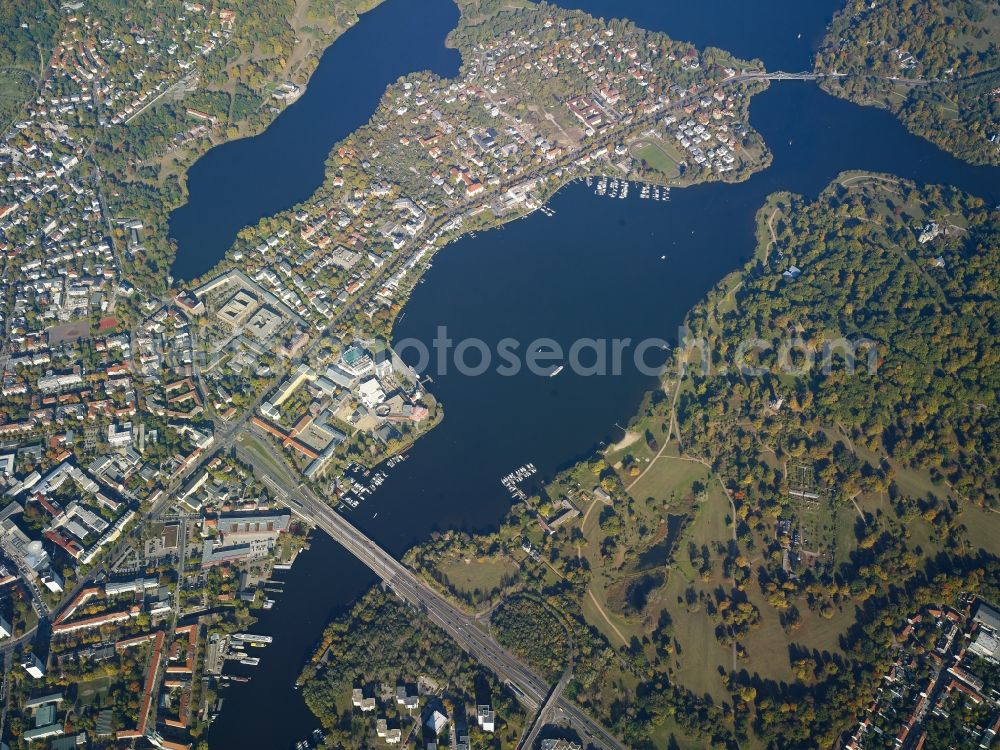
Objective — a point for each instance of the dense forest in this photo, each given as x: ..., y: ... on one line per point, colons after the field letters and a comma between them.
x: 27, y: 30
x: 935, y: 63
x: 382, y: 640
x: 528, y: 628
x: 921, y: 318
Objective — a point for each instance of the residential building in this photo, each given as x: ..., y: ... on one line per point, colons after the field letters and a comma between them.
x: 33, y: 666
x: 436, y: 722
x: 486, y: 718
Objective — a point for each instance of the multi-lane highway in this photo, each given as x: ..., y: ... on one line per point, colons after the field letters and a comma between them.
x: 530, y: 688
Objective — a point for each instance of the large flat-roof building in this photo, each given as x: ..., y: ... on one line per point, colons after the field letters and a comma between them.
x: 986, y: 645
x: 987, y: 615
x: 356, y: 360
x: 33, y: 666
x: 371, y: 393
x: 246, y: 526
x: 213, y: 554
x: 237, y: 308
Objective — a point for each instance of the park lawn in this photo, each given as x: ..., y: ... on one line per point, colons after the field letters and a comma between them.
x: 599, y: 614
x: 713, y: 520
x: 614, y: 627
x: 656, y: 157
x: 846, y: 539
x: 89, y: 691
x: 772, y: 206
x: 873, y: 503
x: 821, y: 634
x: 944, y: 101
x: 483, y: 574
x: 766, y: 645
x: 590, y: 549
x: 634, y: 443
x: 696, y: 665
x: 915, y: 483
x: 669, y: 479
x: 921, y: 536
x: 983, y: 528
x: 590, y: 527
x: 631, y: 443
x: 699, y: 656
x: 728, y: 302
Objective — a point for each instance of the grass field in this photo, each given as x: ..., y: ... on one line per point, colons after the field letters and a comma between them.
x: 90, y: 690
x: 846, y: 539
x: 710, y: 524
x: 983, y: 528
x: 768, y: 645
x: 483, y: 574
x: 655, y: 157
x: 617, y: 629
x: 666, y: 486
x: 15, y: 89
x: 635, y: 444
x: 699, y: 657
x: 669, y: 479
x: 915, y: 483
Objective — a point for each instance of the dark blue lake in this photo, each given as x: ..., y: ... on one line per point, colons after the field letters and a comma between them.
x: 783, y: 34
x: 238, y: 183
x: 598, y: 268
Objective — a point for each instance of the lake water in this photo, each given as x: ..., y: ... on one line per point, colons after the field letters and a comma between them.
x: 595, y: 269
x: 783, y: 34
x: 238, y: 183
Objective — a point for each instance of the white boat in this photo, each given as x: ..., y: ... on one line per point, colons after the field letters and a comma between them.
x: 556, y: 371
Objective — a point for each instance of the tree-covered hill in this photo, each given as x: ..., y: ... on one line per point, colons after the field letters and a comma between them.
x: 934, y: 63
x: 910, y: 270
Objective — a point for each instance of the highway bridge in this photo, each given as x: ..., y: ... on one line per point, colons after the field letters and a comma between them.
x: 529, y: 687
x: 781, y: 75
